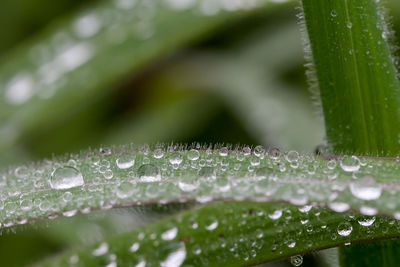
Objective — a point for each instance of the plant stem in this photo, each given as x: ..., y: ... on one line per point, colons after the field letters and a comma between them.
x: 360, y: 92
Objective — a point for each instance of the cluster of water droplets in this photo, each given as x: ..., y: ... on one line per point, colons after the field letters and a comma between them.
x: 134, y: 175
x: 241, y: 234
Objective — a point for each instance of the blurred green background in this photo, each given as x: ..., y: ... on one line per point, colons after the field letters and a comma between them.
x: 144, y: 72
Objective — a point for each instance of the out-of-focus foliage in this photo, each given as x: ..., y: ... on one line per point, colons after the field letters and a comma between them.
x: 228, y: 79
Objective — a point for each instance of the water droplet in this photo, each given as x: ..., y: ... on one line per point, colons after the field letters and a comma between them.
x: 296, y: 260
x: 188, y: 183
x: 305, y: 209
x: 22, y: 172
x: 339, y: 206
x: 175, y: 158
x: 292, y: 156
x: 344, y: 229
x: 366, y: 210
x: 366, y: 221
x: 105, y: 151
x: 334, y: 13
x: 125, y: 189
x: 350, y: 163
x: 170, y: 234
x: 26, y: 204
x: 331, y: 164
x: 264, y: 172
x: 108, y: 174
x: 20, y: 89
x: 275, y: 215
x: 349, y: 25
x: 193, y: 154
x: 141, y: 263
x: 101, y: 250
x: 87, y: 26
x: 196, y: 250
x: 259, y: 151
x: 212, y: 225
x: 207, y: 172
x: 149, y: 173
x: 176, y: 257
x: 125, y: 161
x: 274, y: 153
x: 70, y: 213
x: 291, y: 243
x: 366, y: 189
x: 223, y: 152
x: 66, y: 177
x: 135, y: 247
x: 158, y: 153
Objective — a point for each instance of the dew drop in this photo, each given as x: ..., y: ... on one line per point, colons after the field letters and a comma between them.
x: 291, y: 244
x: 149, y: 173
x: 275, y: 215
x: 22, y: 172
x: 196, y: 250
x: 66, y: 177
x: 169, y: 234
x: 125, y: 189
x: 69, y: 213
x: 366, y: 189
x: 207, y: 172
x: 125, y: 161
x: 87, y: 26
x: 259, y: 151
x: 339, y: 206
x: 212, y: 225
x: 176, y: 257
x: 26, y: 204
x: 274, y: 153
x: 193, y: 155
x: 141, y: 263
x: 334, y: 13
x: 370, y: 211
x: 188, y: 183
x: 134, y: 247
x: 349, y: 25
x: 305, y: 209
x: 344, y: 229
x: 158, y: 153
x: 108, y: 174
x: 350, y: 163
x: 292, y: 156
x: 263, y: 172
x: 175, y: 158
x: 101, y: 250
x: 366, y: 221
x: 223, y: 152
x: 296, y: 260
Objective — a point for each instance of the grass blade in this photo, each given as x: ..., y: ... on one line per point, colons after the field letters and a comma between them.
x: 136, y: 175
x: 232, y: 234
x: 356, y: 75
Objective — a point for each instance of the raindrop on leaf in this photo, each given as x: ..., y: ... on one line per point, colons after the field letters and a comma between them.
x: 66, y: 177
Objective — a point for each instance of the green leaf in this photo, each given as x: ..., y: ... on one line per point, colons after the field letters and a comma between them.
x: 380, y: 253
x: 137, y: 175
x: 232, y: 234
x: 355, y: 74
